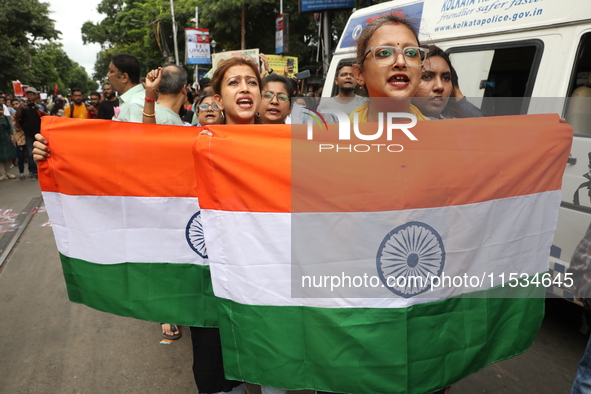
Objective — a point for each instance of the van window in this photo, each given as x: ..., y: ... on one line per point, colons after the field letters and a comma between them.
x: 503, y: 70
x: 578, y: 112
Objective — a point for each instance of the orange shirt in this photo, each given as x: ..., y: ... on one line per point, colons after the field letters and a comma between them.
x: 80, y: 111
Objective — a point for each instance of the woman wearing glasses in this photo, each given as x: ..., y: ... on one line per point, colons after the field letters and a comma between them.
x: 389, y: 62
x: 208, y: 111
x: 276, y: 103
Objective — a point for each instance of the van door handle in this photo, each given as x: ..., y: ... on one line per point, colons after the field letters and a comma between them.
x: 572, y: 160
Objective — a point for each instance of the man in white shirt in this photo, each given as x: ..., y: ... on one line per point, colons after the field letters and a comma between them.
x: 124, y: 77
x: 346, y: 100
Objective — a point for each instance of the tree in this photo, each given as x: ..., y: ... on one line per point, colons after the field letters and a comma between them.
x: 144, y: 29
x: 51, y: 65
x: 140, y: 27
x: 22, y: 24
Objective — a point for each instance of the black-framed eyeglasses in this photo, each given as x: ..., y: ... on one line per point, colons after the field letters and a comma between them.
x: 205, y: 107
x: 385, y: 55
x: 268, y: 96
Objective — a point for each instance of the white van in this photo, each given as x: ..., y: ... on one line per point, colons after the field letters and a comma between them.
x: 538, y: 51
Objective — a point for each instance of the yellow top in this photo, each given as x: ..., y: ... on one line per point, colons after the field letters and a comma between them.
x: 80, y: 111
x: 362, y: 111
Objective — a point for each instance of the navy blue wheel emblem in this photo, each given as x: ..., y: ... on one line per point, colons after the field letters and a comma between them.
x: 408, y: 257
x: 195, y: 236
x: 357, y: 31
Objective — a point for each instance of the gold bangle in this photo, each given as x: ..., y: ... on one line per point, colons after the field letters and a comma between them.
x: 149, y: 115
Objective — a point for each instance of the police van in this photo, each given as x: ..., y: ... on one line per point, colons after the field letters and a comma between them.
x: 537, y: 52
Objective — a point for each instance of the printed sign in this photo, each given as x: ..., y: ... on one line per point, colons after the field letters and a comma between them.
x: 197, y: 46
x: 278, y: 63
x: 279, y: 34
x: 220, y: 57
x: 322, y: 5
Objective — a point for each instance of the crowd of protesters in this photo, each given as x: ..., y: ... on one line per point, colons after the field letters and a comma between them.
x: 20, y: 120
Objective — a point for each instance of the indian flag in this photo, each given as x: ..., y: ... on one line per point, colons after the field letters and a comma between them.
x: 332, y: 262
x: 122, y: 202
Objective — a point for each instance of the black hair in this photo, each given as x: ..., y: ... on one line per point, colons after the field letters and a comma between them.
x: 190, y: 97
x: 129, y: 65
x: 343, y: 63
x: 204, y: 82
x: 436, y: 51
x: 294, y: 86
x: 279, y: 78
x: 59, y: 104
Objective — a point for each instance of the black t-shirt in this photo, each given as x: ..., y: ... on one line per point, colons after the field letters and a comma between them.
x: 106, y: 109
x: 30, y: 121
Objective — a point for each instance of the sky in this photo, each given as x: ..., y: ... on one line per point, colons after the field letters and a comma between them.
x: 69, y: 15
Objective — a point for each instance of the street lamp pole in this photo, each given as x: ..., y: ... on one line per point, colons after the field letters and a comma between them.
x: 197, y: 27
x: 176, y: 45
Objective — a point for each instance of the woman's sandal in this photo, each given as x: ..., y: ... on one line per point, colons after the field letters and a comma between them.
x: 173, y: 328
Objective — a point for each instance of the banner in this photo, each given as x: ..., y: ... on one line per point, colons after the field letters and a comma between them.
x: 18, y: 88
x: 470, y: 199
x: 197, y: 46
x: 220, y: 57
x: 126, y: 220
x: 278, y: 63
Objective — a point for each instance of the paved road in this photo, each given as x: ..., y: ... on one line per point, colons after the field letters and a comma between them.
x: 49, y: 345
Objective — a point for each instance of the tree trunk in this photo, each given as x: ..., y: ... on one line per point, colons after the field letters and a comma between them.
x: 243, y: 43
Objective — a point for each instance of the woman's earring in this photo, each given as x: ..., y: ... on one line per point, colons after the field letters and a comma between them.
x: 258, y: 115
x: 223, y: 114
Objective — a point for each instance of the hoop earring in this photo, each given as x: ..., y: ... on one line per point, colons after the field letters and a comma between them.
x: 223, y: 115
x: 258, y: 115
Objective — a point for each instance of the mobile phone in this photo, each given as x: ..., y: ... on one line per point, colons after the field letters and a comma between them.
x: 290, y: 62
x: 303, y: 75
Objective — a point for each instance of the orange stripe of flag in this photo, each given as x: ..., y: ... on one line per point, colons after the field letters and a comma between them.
x: 454, y: 162
x: 245, y: 168
x: 100, y: 157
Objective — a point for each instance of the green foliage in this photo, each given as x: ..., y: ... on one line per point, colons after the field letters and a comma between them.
x: 144, y: 29
x: 22, y: 23
x: 28, y: 51
x: 51, y: 66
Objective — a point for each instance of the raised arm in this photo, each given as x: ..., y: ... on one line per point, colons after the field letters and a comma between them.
x: 153, y: 80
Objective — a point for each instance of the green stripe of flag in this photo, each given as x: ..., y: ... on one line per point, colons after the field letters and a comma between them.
x: 367, y: 350
x: 159, y: 292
